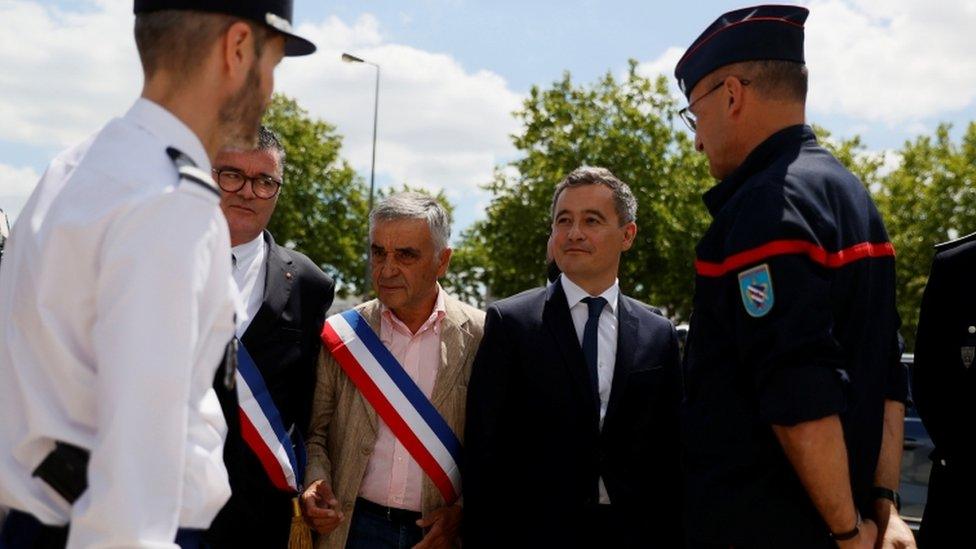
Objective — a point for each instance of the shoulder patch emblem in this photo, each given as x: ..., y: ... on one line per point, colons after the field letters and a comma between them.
x: 756, y: 287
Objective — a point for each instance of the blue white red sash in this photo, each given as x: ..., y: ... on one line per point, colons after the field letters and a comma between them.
x: 397, y: 399
x: 262, y: 428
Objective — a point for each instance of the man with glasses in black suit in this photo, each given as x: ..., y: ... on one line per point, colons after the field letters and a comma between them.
x: 285, y: 297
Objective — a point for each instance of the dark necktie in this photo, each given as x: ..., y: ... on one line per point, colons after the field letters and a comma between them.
x: 595, y: 307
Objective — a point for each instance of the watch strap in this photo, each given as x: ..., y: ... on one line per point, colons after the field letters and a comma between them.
x: 880, y: 492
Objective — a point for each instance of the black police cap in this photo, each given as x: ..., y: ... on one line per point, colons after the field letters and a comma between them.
x: 276, y: 14
x: 748, y: 34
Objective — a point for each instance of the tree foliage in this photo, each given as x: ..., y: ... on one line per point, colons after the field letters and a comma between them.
x: 929, y: 198
x: 323, y: 204
x: 627, y: 125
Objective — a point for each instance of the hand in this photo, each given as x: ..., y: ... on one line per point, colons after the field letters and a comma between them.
x: 321, y: 508
x: 893, y: 533
x: 865, y: 539
x: 444, y: 524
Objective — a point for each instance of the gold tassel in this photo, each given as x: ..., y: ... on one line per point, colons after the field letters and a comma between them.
x: 301, y: 535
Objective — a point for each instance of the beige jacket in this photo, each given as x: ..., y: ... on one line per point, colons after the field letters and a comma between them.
x: 343, y: 429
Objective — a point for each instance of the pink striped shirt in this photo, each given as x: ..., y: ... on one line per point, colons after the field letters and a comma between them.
x: 393, y: 478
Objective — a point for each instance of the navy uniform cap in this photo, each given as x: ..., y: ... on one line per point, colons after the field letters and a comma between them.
x: 276, y: 14
x: 747, y: 34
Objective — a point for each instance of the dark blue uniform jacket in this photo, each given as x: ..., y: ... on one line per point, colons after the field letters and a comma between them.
x: 944, y: 389
x: 794, y: 320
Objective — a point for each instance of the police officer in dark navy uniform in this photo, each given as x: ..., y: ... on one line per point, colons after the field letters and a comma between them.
x: 944, y: 390
x: 792, y: 366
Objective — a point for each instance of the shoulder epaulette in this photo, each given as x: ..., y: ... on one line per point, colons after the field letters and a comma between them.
x: 190, y: 172
x: 953, y: 243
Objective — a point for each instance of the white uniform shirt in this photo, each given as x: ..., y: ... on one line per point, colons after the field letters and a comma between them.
x: 606, y: 346
x: 250, y: 272
x: 116, y: 303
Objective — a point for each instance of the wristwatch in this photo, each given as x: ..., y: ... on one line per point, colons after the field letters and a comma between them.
x: 880, y: 492
x: 850, y: 534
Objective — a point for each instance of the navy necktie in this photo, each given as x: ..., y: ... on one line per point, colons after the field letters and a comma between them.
x: 595, y: 307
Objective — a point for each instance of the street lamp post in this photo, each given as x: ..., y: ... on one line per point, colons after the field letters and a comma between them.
x: 348, y: 58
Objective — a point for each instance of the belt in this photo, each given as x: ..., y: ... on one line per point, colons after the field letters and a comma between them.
x: 392, y: 514
x: 23, y: 531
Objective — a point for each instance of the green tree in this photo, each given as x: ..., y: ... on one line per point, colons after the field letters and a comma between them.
x: 929, y: 198
x: 629, y: 126
x: 322, y: 208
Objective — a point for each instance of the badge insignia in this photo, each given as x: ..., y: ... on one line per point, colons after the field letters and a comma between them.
x: 756, y: 287
x: 277, y: 22
x: 968, y: 353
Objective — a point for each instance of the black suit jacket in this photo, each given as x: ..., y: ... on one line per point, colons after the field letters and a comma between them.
x: 944, y: 390
x: 284, y: 341
x: 534, y: 450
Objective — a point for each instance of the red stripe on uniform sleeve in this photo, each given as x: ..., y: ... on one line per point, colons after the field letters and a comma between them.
x: 816, y: 253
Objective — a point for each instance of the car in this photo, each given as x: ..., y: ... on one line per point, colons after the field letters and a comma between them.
x: 915, y: 462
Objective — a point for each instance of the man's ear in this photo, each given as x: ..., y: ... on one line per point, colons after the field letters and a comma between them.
x: 237, y: 49
x: 445, y: 261
x: 734, y: 91
x: 630, y: 234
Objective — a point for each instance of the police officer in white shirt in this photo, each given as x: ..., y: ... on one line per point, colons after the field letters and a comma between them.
x: 116, y: 296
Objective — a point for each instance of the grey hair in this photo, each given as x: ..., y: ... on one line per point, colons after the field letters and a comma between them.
x: 414, y: 205
x: 623, y: 199
x: 268, y: 141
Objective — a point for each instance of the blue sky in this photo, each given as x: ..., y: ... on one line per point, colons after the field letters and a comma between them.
x: 453, y: 71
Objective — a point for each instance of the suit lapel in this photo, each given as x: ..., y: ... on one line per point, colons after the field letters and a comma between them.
x: 280, y: 273
x: 454, y: 333
x: 555, y: 315
x: 624, y: 362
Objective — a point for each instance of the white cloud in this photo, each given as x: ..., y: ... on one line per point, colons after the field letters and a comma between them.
x: 17, y: 181
x: 16, y: 185
x: 664, y: 66
x: 894, y: 62
x: 891, y: 61
x: 64, y: 73
x: 440, y: 125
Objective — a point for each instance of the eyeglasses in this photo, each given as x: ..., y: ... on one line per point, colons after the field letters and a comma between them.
x: 232, y: 180
x: 689, y: 117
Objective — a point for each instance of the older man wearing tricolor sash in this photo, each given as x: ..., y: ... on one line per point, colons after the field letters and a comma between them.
x: 384, y: 443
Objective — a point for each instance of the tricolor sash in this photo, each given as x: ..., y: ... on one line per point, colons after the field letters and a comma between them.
x: 262, y: 428
x: 397, y: 399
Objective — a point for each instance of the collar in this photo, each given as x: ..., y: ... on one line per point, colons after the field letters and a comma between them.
x: 574, y: 293
x: 438, y: 312
x: 760, y: 158
x: 169, y: 129
x: 246, y: 252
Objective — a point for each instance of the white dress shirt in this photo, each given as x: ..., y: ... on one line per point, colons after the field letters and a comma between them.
x: 606, y: 347
x: 116, y: 304
x: 250, y: 272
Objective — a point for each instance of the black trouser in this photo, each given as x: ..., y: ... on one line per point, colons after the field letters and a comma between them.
x: 377, y: 527
x: 23, y: 531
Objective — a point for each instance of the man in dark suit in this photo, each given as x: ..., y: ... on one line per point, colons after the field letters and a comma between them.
x: 572, y: 418
x: 285, y: 298
x: 944, y: 389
